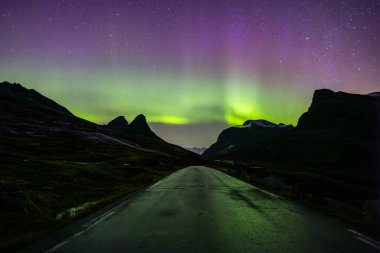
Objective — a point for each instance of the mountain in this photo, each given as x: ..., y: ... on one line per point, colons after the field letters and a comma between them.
x: 237, y: 138
x: 141, y: 127
x: 350, y: 113
x: 119, y: 124
x: 197, y: 150
x: 28, y: 98
x: 138, y: 126
x: 337, y: 137
x: 338, y: 129
x: 53, y: 162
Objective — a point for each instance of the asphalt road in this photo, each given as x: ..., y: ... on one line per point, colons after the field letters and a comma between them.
x: 198, y: 209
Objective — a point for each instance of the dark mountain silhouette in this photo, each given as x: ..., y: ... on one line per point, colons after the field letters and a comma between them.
x: 141, y: 127
x: 52, y: 161
x: 237, y: 138
x: 350, y: 113
x: 18, y: 104
x: 339, y: 129
x: 15, y: 93
x: 138, y: 126
x: 119, y: 124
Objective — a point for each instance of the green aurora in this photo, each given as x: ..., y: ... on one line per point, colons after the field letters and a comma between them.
x: 168, y: 98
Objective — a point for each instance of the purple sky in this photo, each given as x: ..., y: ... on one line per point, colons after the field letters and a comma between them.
x: 235, y: 59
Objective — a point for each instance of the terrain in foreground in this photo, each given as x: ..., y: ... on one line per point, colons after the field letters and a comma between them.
x: 199, y: 209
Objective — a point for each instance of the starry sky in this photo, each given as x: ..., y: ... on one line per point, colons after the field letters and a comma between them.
x: 192, y: 67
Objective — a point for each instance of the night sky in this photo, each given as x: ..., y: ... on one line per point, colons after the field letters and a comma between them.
x: 192, y: 67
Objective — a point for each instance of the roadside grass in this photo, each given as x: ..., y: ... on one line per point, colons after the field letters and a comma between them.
x: 40, y: 178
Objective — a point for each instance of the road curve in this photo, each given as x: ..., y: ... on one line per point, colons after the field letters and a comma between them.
x: 199, y: 209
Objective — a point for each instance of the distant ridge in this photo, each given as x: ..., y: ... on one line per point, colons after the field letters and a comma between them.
x: 374, y: 94
x: 197, y: 150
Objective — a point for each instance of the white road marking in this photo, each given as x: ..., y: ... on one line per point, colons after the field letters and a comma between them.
x: 270, y: 194
x: 58, y: 246
x: 368, y: 242
x: 365, y: 239
x: 86, y: 227
x: 155, y: 184
x: 254, y: 187
x: 91, y: 225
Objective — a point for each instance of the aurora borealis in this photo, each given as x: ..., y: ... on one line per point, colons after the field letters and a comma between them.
x: 192, y: 67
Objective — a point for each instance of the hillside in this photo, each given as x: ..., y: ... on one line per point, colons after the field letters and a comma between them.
x: 56, y: 167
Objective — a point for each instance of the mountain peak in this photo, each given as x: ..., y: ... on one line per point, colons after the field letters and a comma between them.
x: 119, y: 119
x: 140, y: 119
x: 262, y: 123
x: 119, y: 124
x: 259, y: 123
x: 140, y: 126
x: 8, y: 85
x: 323, y: 91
